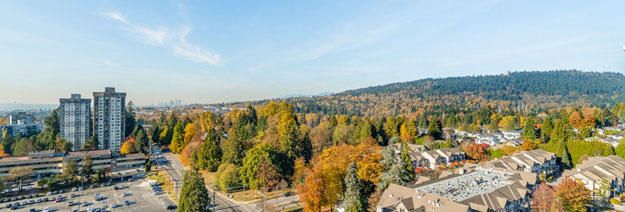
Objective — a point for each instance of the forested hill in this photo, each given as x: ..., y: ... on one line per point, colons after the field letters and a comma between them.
x: 528, y: 91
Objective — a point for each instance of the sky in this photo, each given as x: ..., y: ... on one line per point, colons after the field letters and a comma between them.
x: 222, y: 51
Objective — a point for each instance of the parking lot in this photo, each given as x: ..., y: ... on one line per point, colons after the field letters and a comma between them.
x: 139, y: 196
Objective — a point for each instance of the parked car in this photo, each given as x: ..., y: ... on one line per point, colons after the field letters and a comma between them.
x: 127, y: 202
x: 115, y: 205
x: 46, y: 210
x: 171, y: 207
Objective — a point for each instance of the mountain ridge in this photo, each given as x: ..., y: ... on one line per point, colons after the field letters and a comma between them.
x: 530, y: 91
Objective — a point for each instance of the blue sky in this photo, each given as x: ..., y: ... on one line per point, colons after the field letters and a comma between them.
x: 221, y: 51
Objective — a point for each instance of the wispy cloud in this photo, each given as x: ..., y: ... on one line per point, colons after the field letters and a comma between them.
x: 194, y: 53
x: 117, y: 16
x: 174, y: 39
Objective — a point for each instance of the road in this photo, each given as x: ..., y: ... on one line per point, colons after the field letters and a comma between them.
x: 176, y: 171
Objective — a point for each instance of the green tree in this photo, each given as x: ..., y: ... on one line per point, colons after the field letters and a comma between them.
x: 177, y: 140
x: 87, y: 167
x: 391, y: 127
x: 395, y: 174
x: 353, y: 197
x: 405, y: 157
x: 233, y: 148
x: 545, y: 129
x: 561, y: 133
x: 129, y: 119
x: 7, y: 142
x: 62, y: 145
x: 90, y: 144
x: 620, y: 149
x: 566, y: 158
x: 141, y: 141
x: 70, y: 169
x: 528, y: 129
x: 23, y: 147
x: 262, y: 153
x: 585, y: 132
x: 435, y: 128
x: 193, y: 194
x: 209, y: 156
x: 227, y: 176
x: 155, y: 134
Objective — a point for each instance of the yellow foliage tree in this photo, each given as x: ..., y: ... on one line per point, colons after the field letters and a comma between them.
x: 189, y: 131
x: 128, y: 147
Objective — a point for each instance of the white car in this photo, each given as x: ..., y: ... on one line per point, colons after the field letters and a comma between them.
x: 46, y: 209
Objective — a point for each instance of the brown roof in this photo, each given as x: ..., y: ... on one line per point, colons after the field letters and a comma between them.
x: 497, y: 199
x: 412, y: 200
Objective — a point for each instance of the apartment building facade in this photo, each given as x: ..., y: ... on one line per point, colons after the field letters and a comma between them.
x: 75, y: 120
x: 109, y: 124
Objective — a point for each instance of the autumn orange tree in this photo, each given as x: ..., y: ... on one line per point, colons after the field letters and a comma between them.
x: 128, y: 147
x: 2, y: 153
x: 475, y: 151
x: 187, y: 152
x: 528, y: 145
x: 573, y: 195
x: 327, y: 176
x: 543, y: 199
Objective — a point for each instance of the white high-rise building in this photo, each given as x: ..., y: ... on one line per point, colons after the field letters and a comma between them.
x: 109, y: 125
x: 75, y: 120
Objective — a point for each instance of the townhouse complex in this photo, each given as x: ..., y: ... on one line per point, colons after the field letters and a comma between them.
x: 421, y: 157
x: 594, y: 170
x: 479, y: 189
x: 504, y: 184
x: 536, y: 161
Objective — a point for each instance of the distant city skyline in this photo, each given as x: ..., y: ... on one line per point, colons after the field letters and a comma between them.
x: 222, y: 51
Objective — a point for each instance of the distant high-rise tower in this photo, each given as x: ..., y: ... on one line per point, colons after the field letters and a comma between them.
x: 75, y: 120
x: 108, y: 126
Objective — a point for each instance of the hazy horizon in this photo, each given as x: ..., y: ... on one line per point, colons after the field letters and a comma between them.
x: 214, y: 51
